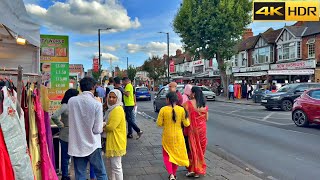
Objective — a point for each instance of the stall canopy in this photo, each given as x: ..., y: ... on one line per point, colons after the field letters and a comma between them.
x: 15, y: 17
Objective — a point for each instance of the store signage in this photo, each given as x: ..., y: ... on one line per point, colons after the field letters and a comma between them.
x: 54, y: 48
x: 255, y: 68
x: 294, y: 65
x: 171, y: 66
x: 95, y: 65
x: 292, y: 72
x: 235, y: 69
x: 198, y: 62
x: 255, y: 74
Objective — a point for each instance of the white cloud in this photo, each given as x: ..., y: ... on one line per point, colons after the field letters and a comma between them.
x: 154, y: 48
x: 95, y: 44
x: 84, y: 16
x: 107, y: 56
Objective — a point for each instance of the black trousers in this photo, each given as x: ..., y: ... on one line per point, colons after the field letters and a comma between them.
x: 231, y: 94
x: 128, y: 110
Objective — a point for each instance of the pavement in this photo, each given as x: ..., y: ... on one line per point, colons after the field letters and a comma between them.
x: 144, y: 159
x: 236, y: 101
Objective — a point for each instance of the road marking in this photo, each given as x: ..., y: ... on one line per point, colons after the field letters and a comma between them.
x: 268, y: 116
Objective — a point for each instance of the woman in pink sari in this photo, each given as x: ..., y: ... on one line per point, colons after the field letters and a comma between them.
x: 197, y: 132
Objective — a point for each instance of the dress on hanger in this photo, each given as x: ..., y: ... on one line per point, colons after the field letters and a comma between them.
x: 6, y: 171
x: 15, y: 137
x: 47, y: 170
x: 33, y: 136
x: 24, y: 106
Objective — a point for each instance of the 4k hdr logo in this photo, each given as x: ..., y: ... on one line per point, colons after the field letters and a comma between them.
x: 286, y: 10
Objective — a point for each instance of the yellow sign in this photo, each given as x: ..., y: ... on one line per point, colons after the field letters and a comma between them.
x: 286, y: 10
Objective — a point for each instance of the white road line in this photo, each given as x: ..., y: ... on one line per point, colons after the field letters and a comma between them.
x: 268, y: 116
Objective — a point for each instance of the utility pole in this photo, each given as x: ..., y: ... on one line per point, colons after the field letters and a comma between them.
x: 168, y: 58
x: 99, y: 30
x: 127, y: 64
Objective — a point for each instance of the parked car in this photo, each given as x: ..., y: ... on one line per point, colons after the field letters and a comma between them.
x: 143, y: 93
x: 286, y: 95
x: 208, y: 93
x: 306, y: 108
x: 160, y: 97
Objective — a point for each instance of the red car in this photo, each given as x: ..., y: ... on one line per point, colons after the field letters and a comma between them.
x: 306, y: 108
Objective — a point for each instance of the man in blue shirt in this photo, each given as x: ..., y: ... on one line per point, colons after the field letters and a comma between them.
x: 231, y: 90
x: 101, y: 92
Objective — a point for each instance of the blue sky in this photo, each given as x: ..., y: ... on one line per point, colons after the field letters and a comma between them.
x: 135, y: 25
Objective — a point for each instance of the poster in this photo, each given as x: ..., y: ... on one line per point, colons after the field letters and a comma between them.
x: 171, y: 65
x: 54, y: 64
x: 95, y: 65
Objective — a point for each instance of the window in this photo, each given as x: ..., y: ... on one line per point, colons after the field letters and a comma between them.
x: 311, y: 48
x: 298, y: 49
x: 243, y: 59
x: 302, y: 88
x: 204, y: 89
x: 198, y: 69
x: 142, y: 90
x: 262, y: 55
x: 236, y: 61
x: 289, y: 51
x: 315, y: 94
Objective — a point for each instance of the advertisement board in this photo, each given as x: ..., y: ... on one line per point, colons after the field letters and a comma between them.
x: 172, y: 70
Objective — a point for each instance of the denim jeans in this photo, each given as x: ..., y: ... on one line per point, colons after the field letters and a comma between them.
x: 80, y: 166
x: 129, y: 117
x: 64, y: 158
x: 133, y: 120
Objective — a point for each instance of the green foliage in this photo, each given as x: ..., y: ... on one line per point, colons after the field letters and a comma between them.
x: 155, y: 67
x: 132, y: 71
x: 96, y: 75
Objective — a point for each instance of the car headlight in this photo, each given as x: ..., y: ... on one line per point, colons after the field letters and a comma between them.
x: 276, y: 97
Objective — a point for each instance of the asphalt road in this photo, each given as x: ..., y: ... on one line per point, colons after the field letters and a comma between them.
x: 265, y: 141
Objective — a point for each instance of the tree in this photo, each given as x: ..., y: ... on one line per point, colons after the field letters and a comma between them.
x: 96, y: 75
x: 155, y: 67
x: 213, y: 27
x: 131, y: 72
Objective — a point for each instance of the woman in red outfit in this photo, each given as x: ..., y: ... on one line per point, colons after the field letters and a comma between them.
x: 197, y: 132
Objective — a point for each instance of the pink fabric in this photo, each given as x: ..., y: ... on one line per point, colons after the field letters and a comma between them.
x: 186, y: 93
x: 47, y: 170
x: 171, y: 168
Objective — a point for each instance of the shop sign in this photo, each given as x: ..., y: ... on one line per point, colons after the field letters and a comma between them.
x: 294, y: 65
x: 255, y: 74
x: 255, y: 68
x: 235, y: 69
x: 171, y: 66
x: 292, y: 72
x: 214, y: 73
x: 95, y: 65
x: 198, y: 62
x: 54, y: 48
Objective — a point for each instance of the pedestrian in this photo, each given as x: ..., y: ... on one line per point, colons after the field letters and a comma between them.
x: 63, y: 124
x: 117, y: 85
x: 250, y: 90
x: 101, y: 92
x: 85, y: 128
x: 110, y: 86
x: 197, y: 132
x: 171, y: 118
x: 116, y: 135
x: 129, y: 104
x: 186, y: 93
x: 173, y: 88
x: 231, y: 90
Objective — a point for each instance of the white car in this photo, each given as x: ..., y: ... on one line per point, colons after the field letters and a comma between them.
x: 208, y: 93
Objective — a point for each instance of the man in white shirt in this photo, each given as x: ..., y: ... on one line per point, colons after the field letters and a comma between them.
x: 85, y: 128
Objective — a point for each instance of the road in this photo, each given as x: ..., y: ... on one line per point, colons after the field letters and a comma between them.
x: 265, y: 141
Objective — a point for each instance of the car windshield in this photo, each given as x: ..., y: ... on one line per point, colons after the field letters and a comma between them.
x: 287, y: 88
x: 142, y: 89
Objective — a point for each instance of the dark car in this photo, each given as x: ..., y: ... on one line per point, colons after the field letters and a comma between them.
x: 286, y: 95
x: 143, y: 93
x: 160, y: 97
x: 306, y: 108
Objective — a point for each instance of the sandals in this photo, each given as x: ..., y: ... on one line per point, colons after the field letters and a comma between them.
x: 192, y: 174
x: 172, y: 177
x: 139, y: 134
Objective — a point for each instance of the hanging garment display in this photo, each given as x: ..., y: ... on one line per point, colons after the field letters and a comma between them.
x: 14, y: 135
x: 47, y: 170
x: 24, y: 106
x: 33, y: 136
x: 6, y: 171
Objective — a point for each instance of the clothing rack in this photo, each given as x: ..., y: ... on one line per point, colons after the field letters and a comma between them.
x: 19, y: 73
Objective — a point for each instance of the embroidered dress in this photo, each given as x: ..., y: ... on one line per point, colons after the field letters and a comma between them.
x: 33, y: 137
x: 15, y: 137
x: 47, y: 170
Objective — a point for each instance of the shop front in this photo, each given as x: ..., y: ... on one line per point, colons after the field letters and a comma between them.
x: 253, y: 74
x: 299, y: 71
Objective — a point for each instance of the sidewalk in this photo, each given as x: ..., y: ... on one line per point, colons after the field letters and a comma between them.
x: 144, y: 159
x: 236, y: 101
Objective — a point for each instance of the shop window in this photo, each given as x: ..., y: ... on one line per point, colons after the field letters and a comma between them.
x: 198, y: 69
x: 311, y: 48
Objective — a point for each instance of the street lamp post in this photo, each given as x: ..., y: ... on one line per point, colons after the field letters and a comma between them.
x: 100, y: 48
x: 168, y: 58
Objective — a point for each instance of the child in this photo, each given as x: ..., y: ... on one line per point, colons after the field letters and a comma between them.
x: 171, y: 117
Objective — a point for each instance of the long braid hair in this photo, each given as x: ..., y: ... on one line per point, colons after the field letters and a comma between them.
x: 172, y: 98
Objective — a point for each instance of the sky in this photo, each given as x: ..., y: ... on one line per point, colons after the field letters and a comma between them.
x: 135, y: 25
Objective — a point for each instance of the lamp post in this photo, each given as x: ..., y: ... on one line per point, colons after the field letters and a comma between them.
x: 100, y: 48
x: 168, y: 58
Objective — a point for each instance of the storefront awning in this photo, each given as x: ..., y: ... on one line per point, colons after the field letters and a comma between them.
x: 255, y: 74
x: 292, y: 72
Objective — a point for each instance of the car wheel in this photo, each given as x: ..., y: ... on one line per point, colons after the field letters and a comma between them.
x: 155, y: 107
x: 300, y: 118
x: 269, y: 108
x: 149, y: 99
x: 286, y: 105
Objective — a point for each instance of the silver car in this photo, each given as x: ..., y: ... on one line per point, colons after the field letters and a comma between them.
x: 208, y: 93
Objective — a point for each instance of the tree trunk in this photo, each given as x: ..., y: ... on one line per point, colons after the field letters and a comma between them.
x: 223, y: 74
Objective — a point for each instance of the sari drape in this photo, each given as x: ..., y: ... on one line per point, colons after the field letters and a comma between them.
x: 197, y: 135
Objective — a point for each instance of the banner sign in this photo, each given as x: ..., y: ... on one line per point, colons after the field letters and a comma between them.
x: 95, y: 65
x: 172, y: 70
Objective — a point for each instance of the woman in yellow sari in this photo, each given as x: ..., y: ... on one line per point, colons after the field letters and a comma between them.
x: 171, y: 117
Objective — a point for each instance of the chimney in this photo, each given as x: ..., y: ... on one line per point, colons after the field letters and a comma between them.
x: 247, y: 33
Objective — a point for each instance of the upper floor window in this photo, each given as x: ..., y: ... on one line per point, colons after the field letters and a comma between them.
x: 311, y: 48
x: 236, y: 61
x: 288, y: 51
x: 243, y: 59
x: 262, y: 55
